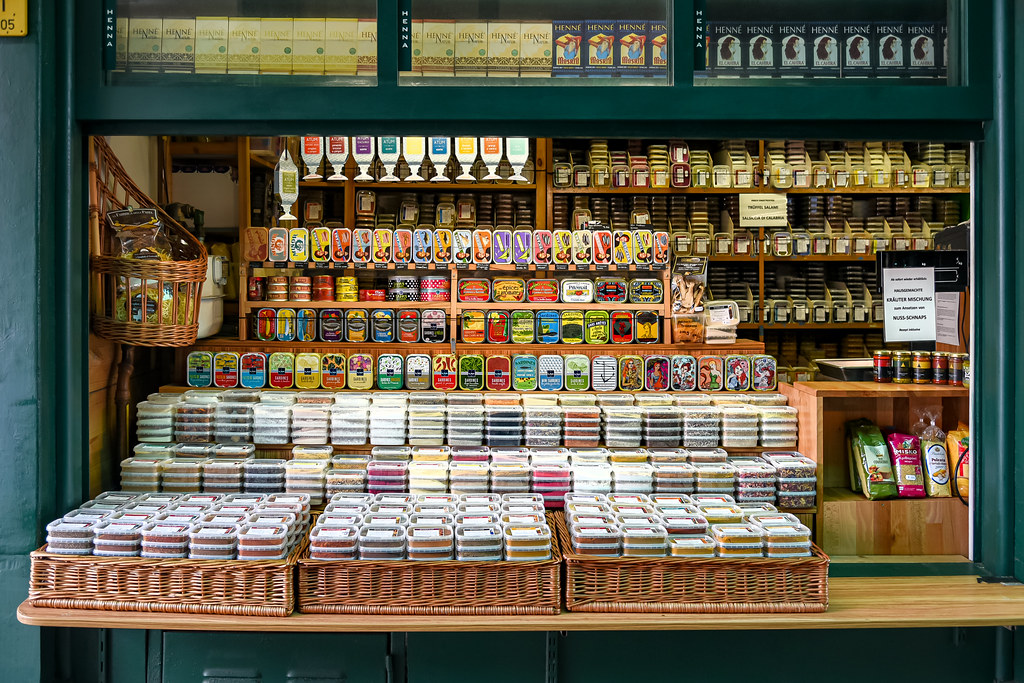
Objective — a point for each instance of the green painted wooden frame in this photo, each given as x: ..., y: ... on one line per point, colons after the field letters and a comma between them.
x: 805, y: 109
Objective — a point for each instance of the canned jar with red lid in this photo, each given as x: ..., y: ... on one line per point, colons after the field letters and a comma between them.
x: 882, y: 363
x: 940, y: 368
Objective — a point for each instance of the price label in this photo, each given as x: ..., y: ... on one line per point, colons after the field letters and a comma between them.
x: 522, y: 266
x: 601, y: 267
x: 281, y: 264
x: 14, y: 18
x: 461, y: 266
x: 422, y: 266
x: 583, y: 267
x: 561, y: 266
x: 483, y: 266
x: 381, y: 266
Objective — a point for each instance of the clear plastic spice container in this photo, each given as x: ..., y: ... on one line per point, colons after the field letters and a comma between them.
x: 721, y: 513
x: 791, y: 464
x: 644, y: 540
x: 692, y: 546
x: 691, y: 400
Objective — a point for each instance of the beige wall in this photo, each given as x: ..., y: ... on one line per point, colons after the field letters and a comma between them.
x: 138, y: 155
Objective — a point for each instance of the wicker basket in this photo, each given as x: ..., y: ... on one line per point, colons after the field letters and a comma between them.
x: 673, y: 584
x: 247, y: 588
x: 118, y: 282
x: 437, y: 588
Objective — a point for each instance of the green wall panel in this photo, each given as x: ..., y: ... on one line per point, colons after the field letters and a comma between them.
x: 490, y: 657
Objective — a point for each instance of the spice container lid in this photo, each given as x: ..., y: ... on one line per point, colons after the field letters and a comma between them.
x: 595, y: 533
x: 214, y: 534
x: 707, y: 455
x: 650, y: 400
x: 465, y: 398
x: 644, y: 535
x: 262, y: 534
x: 700, y: 546
x: 786, y: 534
x: 577, y: 400
x: 604, y: 400
x: 737, y: 533
x: 670, y: 500
x: 199, y: 396
x: 691, y: 400
x: 526, y: 535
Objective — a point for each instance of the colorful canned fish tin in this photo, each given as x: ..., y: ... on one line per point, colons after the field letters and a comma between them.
x: 360, y: 372
x: 550, y: 373
x: 657, y: 373
x: 548, y: 327
x: 622, y: 250
x: 341, y: 245
x: 362, y: 246
x: 499, y: 328
x: 603, y: 247
x: 562, y: 250
x: 382, y: 322
x: 596, y: 324
x: 522, y: 247
x: 524, y: 372
x: 285, y: 324
x: 277, y: 244
x: 543, y: 245
x: 401, y: 246
x: 422, y: 245
x: 522, y: 327
x: 332, y: 370
x: 200, y: 369
x: 631, y: 373
x: 577, y: 291
x: 332, y: 325
x: 225, y: 369
x: 764, y: 376
x: 307, y: 371
x: 382, y: 239
x: 433, y: 326
x: 252, y: 372
x: 661, y: 247
x: 443, y: 246
x: 471, y: 372
x: 604, y: 373
x: 643, y: 246
x: 445, y: 372
x: 646, y: 291
x: 648, y: 327
x: 542, y: 290
x: 357, y: 326
x: 473, y: 325
x: 305, y: 325
x: 572, y: 327
x: 502, y: 246
x: 622, y: 324
x: 481, y: 245
x: 499, y: 373
x: 577, y: 372
x: 298, y: 244
x: 474, y: 290
x: 462, y: 246
x: 610, y: 290
x: 390, y: 372
x: 417, y: 372
x: 737, y: 373
x: 320, y: 245
x: 684, y: 373
x: 710, y: 373
x: 282, y: 370
x: 408, y: 326
x: 509, y: 290
x: 582, y: 247
x: 265, y: 324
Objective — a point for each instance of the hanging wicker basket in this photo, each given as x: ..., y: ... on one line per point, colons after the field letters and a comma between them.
x: 141, y: 303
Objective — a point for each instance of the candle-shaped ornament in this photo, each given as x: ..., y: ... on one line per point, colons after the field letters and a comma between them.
x: 465, y: 154
x: 440, y: 152
x: 312, y: 156
x: 389, y: 150
x: 337, y: 155
x: 518, y: 152
x: 286, y: 184
x: 364, y: 152
x: 414, y: 149
x: 491, y: 152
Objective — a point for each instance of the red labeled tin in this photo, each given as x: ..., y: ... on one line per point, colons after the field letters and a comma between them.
x: 499, y: 373
x: 341, y: 245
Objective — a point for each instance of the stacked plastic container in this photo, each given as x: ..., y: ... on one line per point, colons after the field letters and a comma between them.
x: 224, y: 475
x: 702, y: 426
x: 264, y: 475
x: 739, y: 426
x: 662, y: 428
x: 623, y: 426
x: 673, y: 474
x: 428, y: 476
x: 504, y: 422
x: 465, y: 424
x: 155, y: 421
x: 184, y: 474
x: 306, y: 477
x: 778, y: 426
x: 426, y: 418
x: 543, y: 425
x: 233, y: 422
x: 582, y: 420
x: 388, y: 469
x: 142, y: 474
x: 719, y: 478
x: 552, y: 480
x: 311, y: 417
x: 510, y: 470
x: 469, y: 471
x: 633, y: 477
x: 272, y: 418
x: 797, y: 480
x: 755, y: 481
x: 347, y: 474
x: 388, y: 414
x: 194, y: 416
x: 350, y: 419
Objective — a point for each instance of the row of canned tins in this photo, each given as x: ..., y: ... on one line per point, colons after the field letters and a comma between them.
x: 501, y: 246
x: 430, y: 326
x: 279, y: 288
x: 474, y: 372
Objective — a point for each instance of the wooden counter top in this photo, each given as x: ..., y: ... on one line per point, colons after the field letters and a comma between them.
x: 878, y: 390
x: 908, y: 602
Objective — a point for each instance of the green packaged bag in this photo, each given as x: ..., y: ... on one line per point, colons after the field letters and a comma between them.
x: 871, y: 460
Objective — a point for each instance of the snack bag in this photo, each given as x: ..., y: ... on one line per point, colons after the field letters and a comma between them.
x: 906, y: 456
x: 957, y: 445
x: 873, y: 468
x: 934, y: 458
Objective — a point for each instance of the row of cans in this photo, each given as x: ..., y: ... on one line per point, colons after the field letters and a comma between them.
x: 475, y: 372
x: 612, y: 290
x: 501, y: 246
x: 476, y: 326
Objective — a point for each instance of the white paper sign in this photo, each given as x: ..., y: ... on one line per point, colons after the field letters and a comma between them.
x: 909, y: 298
x: 947, y: 318
x: 763, y: 210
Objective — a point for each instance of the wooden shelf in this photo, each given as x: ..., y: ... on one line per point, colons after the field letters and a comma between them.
x: 828, y: 258
x: 878, y: 602
x: 253, y: 305
x: 467, y: 305
x: 264, y: 159
x: 757, y: 190
x: 226, y: 150
x: 424, y: 186
x: 796, y: 327
x: 878, y: 390
x: 876, y: 190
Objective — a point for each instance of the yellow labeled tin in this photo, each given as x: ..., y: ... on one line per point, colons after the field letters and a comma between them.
x: 307, y: 371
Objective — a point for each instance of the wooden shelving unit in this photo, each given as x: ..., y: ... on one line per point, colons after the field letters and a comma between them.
x: 848, y: 523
